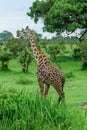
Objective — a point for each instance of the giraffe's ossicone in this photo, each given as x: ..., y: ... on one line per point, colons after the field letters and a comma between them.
x: 47, y: 73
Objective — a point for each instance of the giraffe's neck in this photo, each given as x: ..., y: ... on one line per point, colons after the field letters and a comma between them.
x: 40, y: 57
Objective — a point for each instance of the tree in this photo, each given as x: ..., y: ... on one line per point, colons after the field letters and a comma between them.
x: 84, y: 52
x: 5, y: 35
x: 60, y: 15
x: 25, y: 56
x: 15, y: 48
x: 21, y: 50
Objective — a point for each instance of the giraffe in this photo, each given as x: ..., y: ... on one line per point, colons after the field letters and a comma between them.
x: 47, y: 73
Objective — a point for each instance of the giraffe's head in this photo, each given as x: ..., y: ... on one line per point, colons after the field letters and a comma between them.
x: 24, y: 33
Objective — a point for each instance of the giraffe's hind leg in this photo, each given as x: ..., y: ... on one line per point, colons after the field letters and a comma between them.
x: 59, y: 90
x: 47, y: 89
x: 62, y: 94
x: 61, y: 97
x: 41, y: 85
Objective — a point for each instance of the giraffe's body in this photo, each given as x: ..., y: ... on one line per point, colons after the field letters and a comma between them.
x: 49, y: 75
x: 46, y: 73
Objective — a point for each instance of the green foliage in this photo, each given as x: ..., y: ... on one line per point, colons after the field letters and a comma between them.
x: 60, y: 15
x: 53, y: 50
x: 77, y: 53
x: 5, y: 35
x: 59, y: 39
x: 14, y: 45
x: 20, y: 49
x: 5, y: 57
x: 25, y: 56
x: 67, y: 51
x: 8, y: 50
x: 41, y: 9
x: 84, y: 53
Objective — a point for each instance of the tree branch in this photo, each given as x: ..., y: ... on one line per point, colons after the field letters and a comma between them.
x: 81, y: 37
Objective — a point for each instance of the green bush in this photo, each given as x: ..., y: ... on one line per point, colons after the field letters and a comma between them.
x: 84, y: 53
x: 5, y: 57
x: 77, y: 53
x: 53, y: 50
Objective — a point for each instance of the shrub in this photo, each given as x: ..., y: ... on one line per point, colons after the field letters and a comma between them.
x: 77, y: 53
x: 84, y: 53
x: 5, y: 57
x: 53, y: 50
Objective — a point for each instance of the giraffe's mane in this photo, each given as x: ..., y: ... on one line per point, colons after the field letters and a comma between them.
x: 34, y: 37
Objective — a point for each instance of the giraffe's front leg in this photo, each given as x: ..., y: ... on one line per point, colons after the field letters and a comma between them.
x: 47, y: 89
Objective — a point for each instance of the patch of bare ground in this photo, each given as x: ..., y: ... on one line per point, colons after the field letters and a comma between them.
x: 84, y: 105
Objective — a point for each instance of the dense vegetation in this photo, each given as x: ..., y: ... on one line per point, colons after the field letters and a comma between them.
x: 20, y: 49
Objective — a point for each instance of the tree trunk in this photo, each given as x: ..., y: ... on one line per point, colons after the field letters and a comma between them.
x: 25, y: 68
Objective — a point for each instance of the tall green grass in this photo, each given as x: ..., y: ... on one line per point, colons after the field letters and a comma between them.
x: 22, y: 111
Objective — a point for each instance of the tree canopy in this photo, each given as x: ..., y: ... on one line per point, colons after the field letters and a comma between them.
x: 5, y: 35
x: 60, y: 15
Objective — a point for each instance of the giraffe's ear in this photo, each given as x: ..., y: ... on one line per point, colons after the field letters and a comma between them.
x: 27, y: 27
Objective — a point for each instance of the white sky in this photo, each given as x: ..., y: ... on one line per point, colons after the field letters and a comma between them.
x: 13, y: 16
